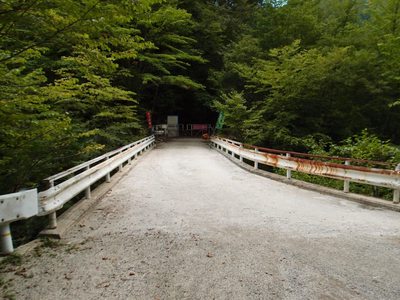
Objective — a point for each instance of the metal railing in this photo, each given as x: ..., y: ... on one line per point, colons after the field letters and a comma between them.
x: 314, y: 165
x: 62, y: 188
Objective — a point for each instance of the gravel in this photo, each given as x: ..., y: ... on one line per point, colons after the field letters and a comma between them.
x: 186, y: 223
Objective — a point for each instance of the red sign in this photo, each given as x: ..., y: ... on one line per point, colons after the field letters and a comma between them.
x: 148, y: 118
x: 199, y: 127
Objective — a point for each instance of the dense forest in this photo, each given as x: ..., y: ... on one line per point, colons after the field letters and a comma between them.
x: 76, y: 77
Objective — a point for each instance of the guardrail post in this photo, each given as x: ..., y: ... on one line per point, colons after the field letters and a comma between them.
x: 120, y: 168
x: 256, y: 162
x: 53, y: 215
x: 88, y: 192
x: 53, y: 220
x: 346, y: 184
x: 108, y: 176
x: 288, y: 172
x: 241, y: 157
x: 396, y: 193
x: 6, y: 239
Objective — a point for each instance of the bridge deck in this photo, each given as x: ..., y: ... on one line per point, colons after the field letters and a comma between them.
x: 188, y: 224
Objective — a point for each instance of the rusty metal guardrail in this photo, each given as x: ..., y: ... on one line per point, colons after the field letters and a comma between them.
x: 62, y: 188
x: 315, y: 166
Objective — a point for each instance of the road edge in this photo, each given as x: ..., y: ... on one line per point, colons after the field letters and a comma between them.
x: 362, y: 199
x: 78, y: 211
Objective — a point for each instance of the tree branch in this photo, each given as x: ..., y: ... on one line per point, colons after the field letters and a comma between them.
x: 52, y: 36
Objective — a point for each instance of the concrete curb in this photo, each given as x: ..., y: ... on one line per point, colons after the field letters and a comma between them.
x: 366, y: 200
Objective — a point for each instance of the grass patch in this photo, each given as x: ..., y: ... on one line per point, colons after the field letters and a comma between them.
x: 5, y: 286
x: 9, y: 295
x: 13, y: 259
x: 50, y: 243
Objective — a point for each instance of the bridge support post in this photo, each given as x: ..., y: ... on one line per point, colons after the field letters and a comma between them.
x: 288, y: 172
x: 346, y: 184
x: 6, y: 244
x: 396, y: 193
x: 256, y: 162
x: 52, y: 220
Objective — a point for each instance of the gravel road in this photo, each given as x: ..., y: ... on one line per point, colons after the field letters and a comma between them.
x: 186, y: 223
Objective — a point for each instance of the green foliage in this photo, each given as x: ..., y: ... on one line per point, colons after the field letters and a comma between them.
x: 234, y: 108
x: 66, y: 69
x: 366, y: 146
x: 77, y: 76
x: 165, y: 62
x: 317, y: 68
x: 30, y: 131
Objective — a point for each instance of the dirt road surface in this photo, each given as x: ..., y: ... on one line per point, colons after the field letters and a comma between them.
x: 186, y: 223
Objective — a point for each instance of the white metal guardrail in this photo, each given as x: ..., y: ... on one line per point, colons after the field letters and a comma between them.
x: 286, y: 160
x: 62, y: 188
x: 14, y: 207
